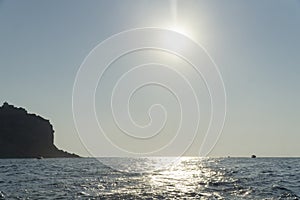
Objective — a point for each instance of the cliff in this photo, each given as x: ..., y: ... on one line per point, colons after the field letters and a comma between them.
x: 24, y: 135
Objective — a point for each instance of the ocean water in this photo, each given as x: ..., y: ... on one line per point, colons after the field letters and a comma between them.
x: 190, y: 178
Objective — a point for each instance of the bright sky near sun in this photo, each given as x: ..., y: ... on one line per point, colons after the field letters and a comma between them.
x: 255, y: 44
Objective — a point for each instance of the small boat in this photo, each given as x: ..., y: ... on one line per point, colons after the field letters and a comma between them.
x: 39, y: 157
x: 253, y: 156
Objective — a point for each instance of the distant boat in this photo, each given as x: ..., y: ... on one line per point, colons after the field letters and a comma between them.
x: 39, y: 157
x: 253, y: 156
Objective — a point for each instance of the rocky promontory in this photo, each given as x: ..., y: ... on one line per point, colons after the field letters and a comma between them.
x: 24, y: 135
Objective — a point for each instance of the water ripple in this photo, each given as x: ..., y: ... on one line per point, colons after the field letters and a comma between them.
x: 209, y: 178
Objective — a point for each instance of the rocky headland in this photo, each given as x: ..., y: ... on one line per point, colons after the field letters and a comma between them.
x: 25, y: 135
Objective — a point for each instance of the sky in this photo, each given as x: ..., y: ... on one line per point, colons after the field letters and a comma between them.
x: 255, y: 45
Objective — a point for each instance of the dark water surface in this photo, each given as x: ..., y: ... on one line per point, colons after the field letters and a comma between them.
x: 194, y: 178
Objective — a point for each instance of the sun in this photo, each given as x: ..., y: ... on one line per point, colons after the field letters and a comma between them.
x: 184, y: 30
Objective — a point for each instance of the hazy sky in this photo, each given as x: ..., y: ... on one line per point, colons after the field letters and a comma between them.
x: 256, y: 45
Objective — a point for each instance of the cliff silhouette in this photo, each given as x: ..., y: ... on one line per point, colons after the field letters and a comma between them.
x: 24, y: 135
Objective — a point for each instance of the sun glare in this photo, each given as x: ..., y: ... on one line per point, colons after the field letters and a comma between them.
x: 182, y: 30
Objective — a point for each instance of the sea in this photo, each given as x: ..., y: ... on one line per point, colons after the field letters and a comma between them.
x: 188, y: 178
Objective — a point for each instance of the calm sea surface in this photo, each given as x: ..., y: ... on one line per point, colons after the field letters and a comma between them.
x: 194, y: 178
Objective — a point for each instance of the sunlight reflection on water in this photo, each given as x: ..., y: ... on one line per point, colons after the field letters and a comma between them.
x: 189, y: 178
